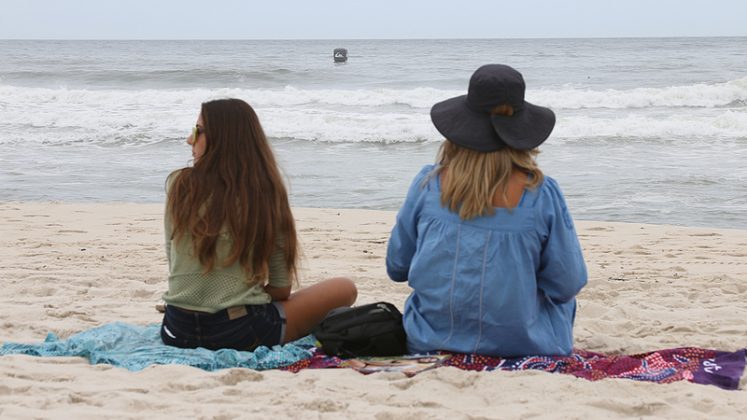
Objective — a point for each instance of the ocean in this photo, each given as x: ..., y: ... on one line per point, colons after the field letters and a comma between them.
x: 649, y: 130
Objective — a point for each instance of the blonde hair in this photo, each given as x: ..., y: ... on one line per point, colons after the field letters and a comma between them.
x: 473, y: 178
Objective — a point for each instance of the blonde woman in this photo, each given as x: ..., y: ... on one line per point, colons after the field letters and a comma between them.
x: 484, y: 238
x: 231, y: 243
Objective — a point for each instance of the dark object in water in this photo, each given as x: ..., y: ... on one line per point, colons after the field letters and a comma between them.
x: 340, y: 55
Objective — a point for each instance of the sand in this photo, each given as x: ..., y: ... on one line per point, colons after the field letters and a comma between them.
x: 65, y: 268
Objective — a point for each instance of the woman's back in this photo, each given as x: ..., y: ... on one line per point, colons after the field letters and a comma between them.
x: 488, y: 285
x: 192, y: 287
x: 484, y: 239
x: 231, y: 242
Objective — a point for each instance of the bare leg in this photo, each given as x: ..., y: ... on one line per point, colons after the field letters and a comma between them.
x: 305, y: 308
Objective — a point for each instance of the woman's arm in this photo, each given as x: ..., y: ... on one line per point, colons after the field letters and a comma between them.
x: 402, y: 241
x: 168, y: 224
x: 278, y: 293
x: 562, y: 271
x: 279, y: 282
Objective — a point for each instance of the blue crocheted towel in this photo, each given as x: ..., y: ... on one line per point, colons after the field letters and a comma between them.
x: 135, y: 347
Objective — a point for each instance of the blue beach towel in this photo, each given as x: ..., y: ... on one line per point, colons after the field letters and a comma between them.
x: 135, y: 347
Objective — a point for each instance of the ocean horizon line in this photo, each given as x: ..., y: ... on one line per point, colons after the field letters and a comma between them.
x: 384, y: 39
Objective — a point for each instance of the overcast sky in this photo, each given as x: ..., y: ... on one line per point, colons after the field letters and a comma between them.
x: 355, y: 19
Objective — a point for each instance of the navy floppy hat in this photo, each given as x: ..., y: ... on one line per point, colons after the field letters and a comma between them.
x: 468, y: 120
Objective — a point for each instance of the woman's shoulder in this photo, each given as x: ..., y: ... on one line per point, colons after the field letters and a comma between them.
x: 546, y: 194
x: 549, y: 186
x: 172, y: 177
x: 424, y: 176
x: 425, y: 170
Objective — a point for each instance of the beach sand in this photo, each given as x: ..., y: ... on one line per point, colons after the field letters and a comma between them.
x: 65, y: 268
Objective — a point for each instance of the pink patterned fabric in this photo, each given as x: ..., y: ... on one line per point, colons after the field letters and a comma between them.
x: 703, y: 366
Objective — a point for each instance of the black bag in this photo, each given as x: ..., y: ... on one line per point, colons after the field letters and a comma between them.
x: 367, y: 330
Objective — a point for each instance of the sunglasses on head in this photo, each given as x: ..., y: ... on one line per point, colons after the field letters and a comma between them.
x: 196, y: 131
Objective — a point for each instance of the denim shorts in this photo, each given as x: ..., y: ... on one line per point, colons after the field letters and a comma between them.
x: 240, y: 327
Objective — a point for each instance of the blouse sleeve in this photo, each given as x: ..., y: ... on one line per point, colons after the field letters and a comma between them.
x: 167, y: 236
x: 562, y: 271
x: 403, y: 239
x: 168, y: 227
x: 278, y: 276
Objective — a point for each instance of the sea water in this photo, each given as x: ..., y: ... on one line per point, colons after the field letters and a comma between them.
x: 648, y: 130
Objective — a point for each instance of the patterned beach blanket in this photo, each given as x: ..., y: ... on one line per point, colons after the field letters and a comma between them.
x: 136, y: 347
x: 702, y: 366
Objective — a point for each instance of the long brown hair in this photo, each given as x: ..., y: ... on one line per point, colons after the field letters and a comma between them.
x: 474, y: 177
x: 235, y: 186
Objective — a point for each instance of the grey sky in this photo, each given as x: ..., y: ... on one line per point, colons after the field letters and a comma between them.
x: 351, y: 19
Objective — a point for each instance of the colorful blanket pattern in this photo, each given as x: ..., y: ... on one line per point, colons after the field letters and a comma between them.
x: 135, y: 347
x: 722, y: 369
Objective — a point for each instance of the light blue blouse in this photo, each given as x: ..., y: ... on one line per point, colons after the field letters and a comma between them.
x: 500, y: 285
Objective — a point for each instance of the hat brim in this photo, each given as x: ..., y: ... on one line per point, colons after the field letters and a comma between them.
x: 526, y: 128
x: 464, y: 127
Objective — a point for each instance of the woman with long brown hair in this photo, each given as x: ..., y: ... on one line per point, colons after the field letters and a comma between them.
x: 232, y: 245
x: 484, y: 238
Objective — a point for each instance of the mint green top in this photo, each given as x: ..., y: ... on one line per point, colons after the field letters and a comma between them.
x: 222, y: 287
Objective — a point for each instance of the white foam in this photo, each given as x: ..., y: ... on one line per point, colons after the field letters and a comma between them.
x: 724, y: 124
x: 698, y: 95
x: 126, y: 117
x: 335, y: 126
